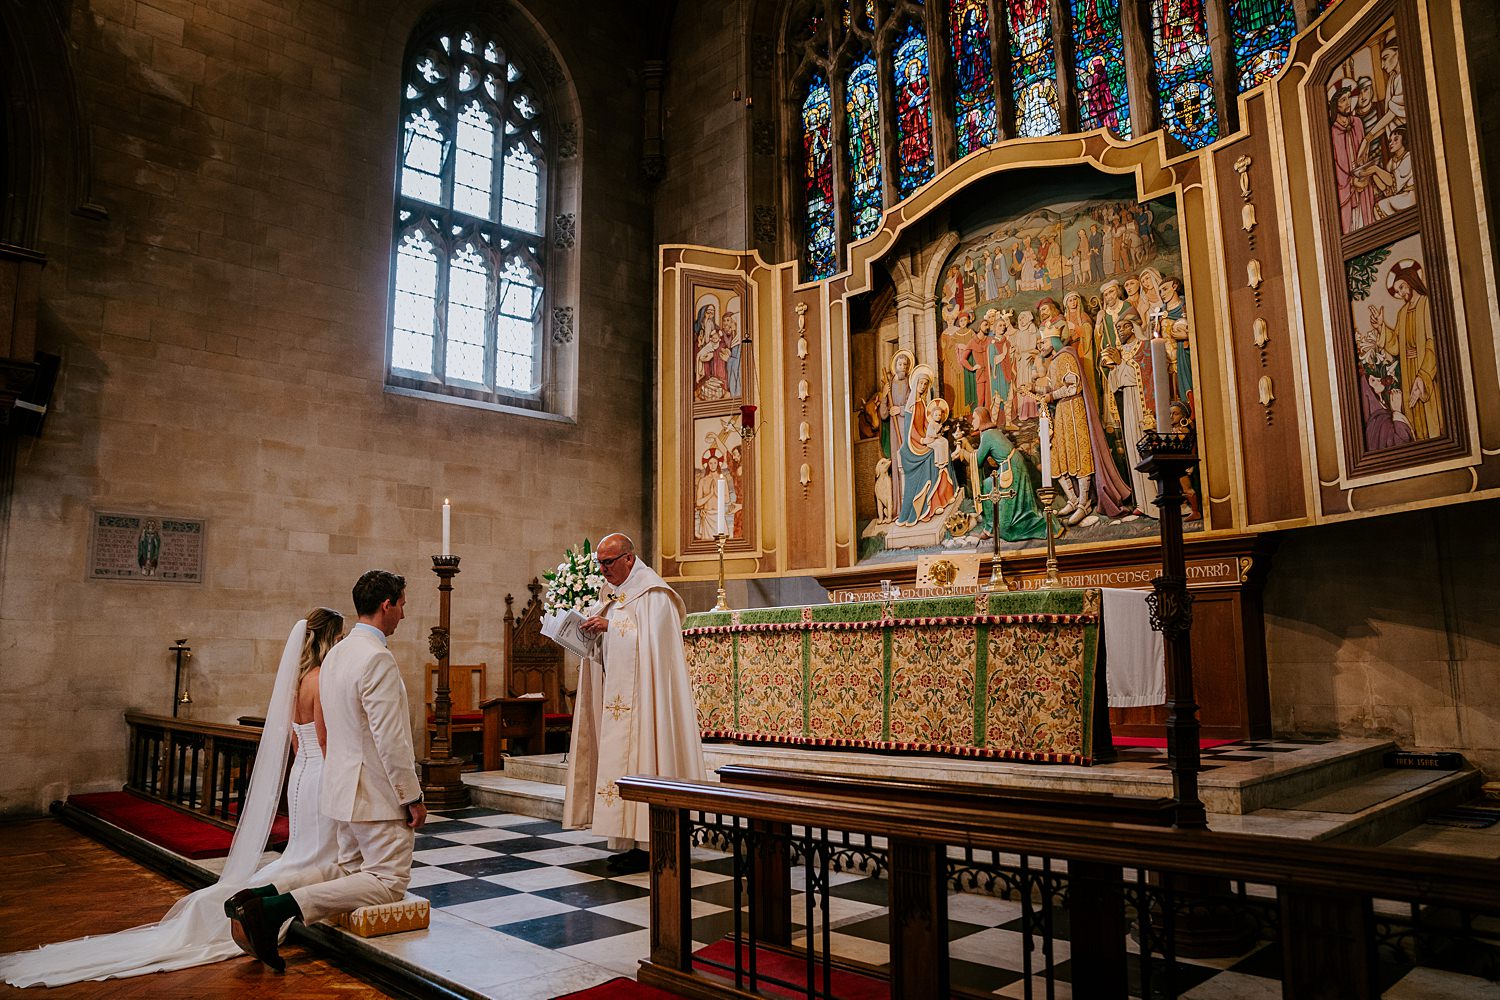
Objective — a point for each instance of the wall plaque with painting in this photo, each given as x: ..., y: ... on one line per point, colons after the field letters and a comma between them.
x: 146, y: 547
x: 716, y: 325
x: 1397, y: 366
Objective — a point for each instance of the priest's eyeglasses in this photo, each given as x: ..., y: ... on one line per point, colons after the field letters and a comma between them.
x: 607, y: 563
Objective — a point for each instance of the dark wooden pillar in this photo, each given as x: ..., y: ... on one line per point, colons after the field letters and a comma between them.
x: 671, y: 885
x: 1327, y: 946
x: 1096, y: 922
x: 918, y: 920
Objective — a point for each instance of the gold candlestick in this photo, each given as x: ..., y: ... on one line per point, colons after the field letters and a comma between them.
x: 723, y: 604
x: 1047, y: 494
x: 994, y: 496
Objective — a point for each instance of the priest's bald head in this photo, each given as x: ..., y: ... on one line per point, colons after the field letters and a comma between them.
x: 616, y: 555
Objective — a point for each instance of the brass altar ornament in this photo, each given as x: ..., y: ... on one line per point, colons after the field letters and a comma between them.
x: 723, y: 602
x: 942, y: 573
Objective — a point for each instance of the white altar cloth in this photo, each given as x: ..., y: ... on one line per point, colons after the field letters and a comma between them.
x: 1136, y: 670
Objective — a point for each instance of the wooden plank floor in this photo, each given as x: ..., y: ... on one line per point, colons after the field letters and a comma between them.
x: 55, y: 884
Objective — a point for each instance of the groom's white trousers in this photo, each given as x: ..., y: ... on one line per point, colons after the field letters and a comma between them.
x: 374, y: 867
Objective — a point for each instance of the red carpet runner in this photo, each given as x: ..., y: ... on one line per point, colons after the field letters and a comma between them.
x: 787, y: 968
x: 167, y: 827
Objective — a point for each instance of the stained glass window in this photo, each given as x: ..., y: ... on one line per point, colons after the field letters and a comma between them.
x: 914, y: 160
x: 1262, y: 32
x: 1033, y: 67
x: 862, y: 105
x: 467, y: 254
x: 817, y: 158
x: 1184, y: 71
x: 974, y: 101
x: 1099, y: 66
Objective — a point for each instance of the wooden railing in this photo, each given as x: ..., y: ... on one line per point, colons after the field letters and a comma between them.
x: 1332, y: 910
x: 202, y: 768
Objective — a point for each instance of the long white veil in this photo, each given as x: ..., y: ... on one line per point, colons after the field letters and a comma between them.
x: 195, y: 930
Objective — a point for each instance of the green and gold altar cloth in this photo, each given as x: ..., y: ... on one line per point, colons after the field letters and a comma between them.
x: 1013, y: 675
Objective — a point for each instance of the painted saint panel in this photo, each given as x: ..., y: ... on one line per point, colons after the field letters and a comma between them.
x: 862, y: 102
x: 1033, y: 67
x: 718, y: 344
x: 1397, y: 353
x: 1372, y: 161
x: 973, y: 74
x: 1099, y: 66
x: 914, y: 164
x: 817, y: 159
x: 1050, y: 308
x: 720, y: 454
x: 1184, y: 71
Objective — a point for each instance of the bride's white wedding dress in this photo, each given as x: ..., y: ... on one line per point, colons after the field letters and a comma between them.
x: 196, y: 931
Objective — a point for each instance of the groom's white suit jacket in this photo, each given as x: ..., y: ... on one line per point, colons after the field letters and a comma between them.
x: 369, y: 768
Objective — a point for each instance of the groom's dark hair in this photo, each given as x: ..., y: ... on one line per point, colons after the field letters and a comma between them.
x: 375, y: 588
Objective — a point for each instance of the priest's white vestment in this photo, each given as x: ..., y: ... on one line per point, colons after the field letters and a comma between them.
x: 635, y: 712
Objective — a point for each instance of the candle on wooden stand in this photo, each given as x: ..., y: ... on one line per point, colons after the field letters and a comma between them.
x: 1161, y: 392
x: 723, y: 490
x: 1045, y: 430
x: 447, y: 524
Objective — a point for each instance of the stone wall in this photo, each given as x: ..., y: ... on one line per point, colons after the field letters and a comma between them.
x: 1387, y: 628
x: 223, y: 337
x: 702, y: 196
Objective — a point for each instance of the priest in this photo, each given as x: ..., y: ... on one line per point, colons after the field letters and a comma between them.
x: 635, y: 712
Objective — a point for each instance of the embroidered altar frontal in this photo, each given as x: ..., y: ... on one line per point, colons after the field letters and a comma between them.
x: 1009, y: 675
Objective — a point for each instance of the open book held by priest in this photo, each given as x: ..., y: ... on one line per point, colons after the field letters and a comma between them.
x: 566, y: 629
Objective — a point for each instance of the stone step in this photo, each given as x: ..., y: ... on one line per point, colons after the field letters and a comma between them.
x: 500, y: 790
x: 550, y: 768
x: 1367, y: 810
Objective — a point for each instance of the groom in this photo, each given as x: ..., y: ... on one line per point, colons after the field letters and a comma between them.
x: 370, y: 786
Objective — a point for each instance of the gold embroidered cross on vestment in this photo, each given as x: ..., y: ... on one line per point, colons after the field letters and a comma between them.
x: 617, y: 708
x: 609, y: 793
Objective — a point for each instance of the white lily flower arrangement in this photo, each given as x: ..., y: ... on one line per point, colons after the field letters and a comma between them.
x: 576, y: 582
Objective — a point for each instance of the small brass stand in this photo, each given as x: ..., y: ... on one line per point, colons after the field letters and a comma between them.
x: 994, y: 496
x: 442, y: 788
x: 723, y: 604
x: 1046, y: 494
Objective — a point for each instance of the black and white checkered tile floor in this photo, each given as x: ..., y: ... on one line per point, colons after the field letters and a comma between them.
x: 529, y: 879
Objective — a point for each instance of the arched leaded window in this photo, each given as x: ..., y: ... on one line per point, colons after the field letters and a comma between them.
x: 973, y: 74
x: 882, y: 96
x: 912, y: 82
x: 862, y: 107
x: 469, y: 260
x: 1099, y: 66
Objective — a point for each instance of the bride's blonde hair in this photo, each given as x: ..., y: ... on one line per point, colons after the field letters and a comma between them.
x: 324, y: 625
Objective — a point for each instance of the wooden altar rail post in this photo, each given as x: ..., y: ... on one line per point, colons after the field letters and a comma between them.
x: 201, y: 768
x: 1327, y: 929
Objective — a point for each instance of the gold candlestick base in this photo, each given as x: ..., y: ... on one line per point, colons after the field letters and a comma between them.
x: 1046, y: 495
x: 723, y: 603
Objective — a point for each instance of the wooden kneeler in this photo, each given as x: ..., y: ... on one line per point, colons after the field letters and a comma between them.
x: 412, y: 913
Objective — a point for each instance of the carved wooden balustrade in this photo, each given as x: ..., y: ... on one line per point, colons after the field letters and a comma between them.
x: 1336, y: 912
x: 202, y: 768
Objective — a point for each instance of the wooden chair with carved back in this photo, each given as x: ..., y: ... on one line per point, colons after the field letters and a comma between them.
x: 534, y: 663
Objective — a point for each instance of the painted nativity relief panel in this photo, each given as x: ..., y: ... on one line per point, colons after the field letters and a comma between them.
x: 1398, y: 370
x: 1049, y: 310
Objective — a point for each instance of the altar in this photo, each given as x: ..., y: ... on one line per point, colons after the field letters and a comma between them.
x: 1016, y: 675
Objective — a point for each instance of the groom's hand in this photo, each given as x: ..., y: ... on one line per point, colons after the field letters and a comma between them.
x: 416, y: 815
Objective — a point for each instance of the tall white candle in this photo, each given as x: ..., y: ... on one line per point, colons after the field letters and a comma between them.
x: 447, y: 524
x: 1045, y: 428
x: 1161, y: 391
x: 723, y: 502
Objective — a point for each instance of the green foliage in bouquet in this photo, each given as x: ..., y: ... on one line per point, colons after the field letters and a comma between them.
x: 576, y: 582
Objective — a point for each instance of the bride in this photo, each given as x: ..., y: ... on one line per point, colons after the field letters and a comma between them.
x: 195, y: 930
